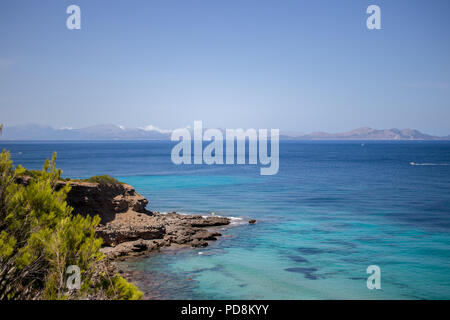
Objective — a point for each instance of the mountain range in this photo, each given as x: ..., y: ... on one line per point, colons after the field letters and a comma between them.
x: 98, y: 132
x: 367, y: 133
x: 113, y: 132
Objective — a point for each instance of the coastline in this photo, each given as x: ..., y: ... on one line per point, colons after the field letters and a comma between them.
x: 154, y: 286
x: 138, y: 235
x: 313, y: 216
x: 127, y: 227
x: 134, y: 234
x: 130, y: 231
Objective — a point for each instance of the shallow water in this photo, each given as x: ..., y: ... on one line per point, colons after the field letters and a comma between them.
x: 333, y: 209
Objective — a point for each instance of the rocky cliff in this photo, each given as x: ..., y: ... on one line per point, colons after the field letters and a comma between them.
x: 127, y: 227
x: 104, y: 200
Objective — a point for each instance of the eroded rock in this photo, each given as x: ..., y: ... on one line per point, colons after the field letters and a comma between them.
x: 121, y: 234
x: 104, y: 200
x: 127, y: 227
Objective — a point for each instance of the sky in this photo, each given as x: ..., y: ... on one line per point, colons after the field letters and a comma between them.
x: 295, y: 65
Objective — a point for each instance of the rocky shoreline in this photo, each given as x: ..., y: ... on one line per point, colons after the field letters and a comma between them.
x: 127, y: 227
x: 133, y: 233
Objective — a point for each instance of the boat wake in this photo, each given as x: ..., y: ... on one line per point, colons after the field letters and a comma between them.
x: 429, y: 164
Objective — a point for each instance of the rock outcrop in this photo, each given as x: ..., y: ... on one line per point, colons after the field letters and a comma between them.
x: 127, y: 227
x: 105, y: 200
x: 102, y: 199
x: 133, y: 233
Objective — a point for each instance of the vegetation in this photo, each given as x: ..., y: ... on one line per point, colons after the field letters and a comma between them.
x: 40, y: 238
x: 104, y: 179
x: 128, y: 291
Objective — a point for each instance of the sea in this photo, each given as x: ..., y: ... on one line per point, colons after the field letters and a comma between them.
x: 334, y: 209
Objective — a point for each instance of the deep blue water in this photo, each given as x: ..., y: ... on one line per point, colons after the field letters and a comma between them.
x: 333, y: 209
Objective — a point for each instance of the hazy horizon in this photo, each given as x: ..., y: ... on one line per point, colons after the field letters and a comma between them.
x: 298, y: 66
x: 167, y: 131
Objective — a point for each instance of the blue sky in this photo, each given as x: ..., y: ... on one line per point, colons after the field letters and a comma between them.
x: 294, y: 65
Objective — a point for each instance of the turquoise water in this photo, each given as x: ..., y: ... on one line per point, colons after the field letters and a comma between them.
x: 334, y: 209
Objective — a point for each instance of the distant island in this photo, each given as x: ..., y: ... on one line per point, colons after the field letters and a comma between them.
x: 114, y: 132
x: 367, y: 133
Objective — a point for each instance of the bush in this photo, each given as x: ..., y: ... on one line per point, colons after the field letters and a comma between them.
x: 104, y: 179
x: 40, y: 238
x: 123, y: 290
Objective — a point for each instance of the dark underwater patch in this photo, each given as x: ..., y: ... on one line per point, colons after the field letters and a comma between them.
x: 215, y: 268
x: 307, y: 272
x: 357, y: 278
x: 311, y: 251
x: 297, y: 258
x: 341, y: 243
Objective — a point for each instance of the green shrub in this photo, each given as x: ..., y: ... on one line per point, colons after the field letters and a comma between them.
x: 104, y: 179
x: 40, y: 238
x: 123, y: 290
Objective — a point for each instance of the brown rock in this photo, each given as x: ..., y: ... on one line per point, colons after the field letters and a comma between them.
x: 127, y: 227
x: 105, y: 200
x: 199, y: 243
x: 115, y: 234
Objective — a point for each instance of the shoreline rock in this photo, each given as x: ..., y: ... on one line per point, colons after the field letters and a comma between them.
x: 132, y: 234
x: 104, y: 200
x: 127, y: 227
